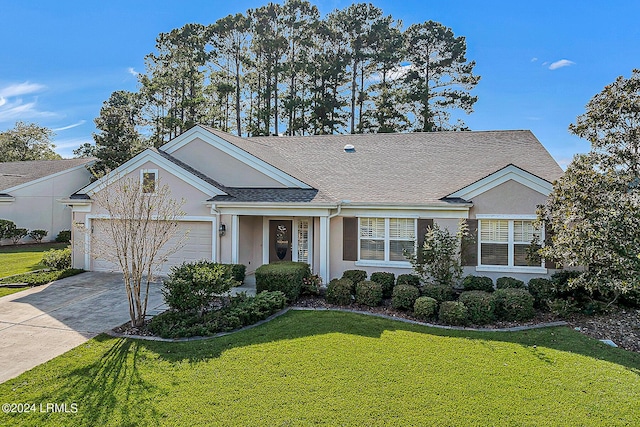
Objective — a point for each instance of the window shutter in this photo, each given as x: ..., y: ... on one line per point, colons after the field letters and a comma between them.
x: 423, y: 226
x: 469, y: 249
x: 548, y: 263
x: 350, y: 239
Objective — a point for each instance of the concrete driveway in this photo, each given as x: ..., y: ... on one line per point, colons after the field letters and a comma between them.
x: 41, y: 323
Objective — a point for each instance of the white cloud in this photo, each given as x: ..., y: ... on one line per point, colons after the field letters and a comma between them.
x: 20, y: 89
x: 81, y: 122
x: 132, y: 71
x: 534, y: 59
x: 13, y: 107
x: 396, y: 74
x: 561, y: 63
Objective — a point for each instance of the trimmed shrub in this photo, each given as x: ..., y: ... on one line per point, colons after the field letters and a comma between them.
x: 509, y: 283
x: 631, y: 298
x: 58, y: 259
x: 41, y: 277
x: 18, y: 234
x: 408, y: 279
x: 386, y: 280
x: 477, y: 283
x: 404, y: 297
x: 311, y: 285
x: 543, y: 291
x: 356, y: 276
x: 241, y: 311
x: 7, y: 228
x: 369, y: 293
x: 237, y: 272
x: 453, y: 313
x: 194, y: 286
x: 425, y: 308
x: 285, y: 276
x: 339, y: 292
x: 64, y: 236
x: 438, y: 292
x: 38, y: 235
x: 480, y: 306
x: 513, y: 304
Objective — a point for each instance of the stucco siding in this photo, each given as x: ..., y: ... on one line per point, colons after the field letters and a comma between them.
x: 250, y: 242
x: 222, y: 167
x: 36, y: 205
x: 510, y: 197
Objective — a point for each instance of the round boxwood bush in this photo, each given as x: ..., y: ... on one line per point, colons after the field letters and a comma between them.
x: 356, y: 276
x: 408, y: 279
x: 438, y: 292
x: 369, y: 293
x: 339, y: 292
x: 480, y: 306
x: 513, y: 304
x: 509, y: 283
x: 425, y: 308
x: 386, y: 280
x: 453, y: 313
x: 58, y: 259
x: 404, y: 297
x: 543, y: 291
x: 477, y: 283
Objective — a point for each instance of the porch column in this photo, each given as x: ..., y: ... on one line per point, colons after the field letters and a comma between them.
x: 235, y: 238
x: 324, y: 250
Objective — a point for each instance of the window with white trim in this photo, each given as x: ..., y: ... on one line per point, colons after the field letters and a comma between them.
x: 386, y: 239
x: 303, y: 240
x: 504, y: 242
x: 149, y: 180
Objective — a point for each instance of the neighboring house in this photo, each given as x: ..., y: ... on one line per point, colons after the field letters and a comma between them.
x: 343, y: 202
x: 29, y: 192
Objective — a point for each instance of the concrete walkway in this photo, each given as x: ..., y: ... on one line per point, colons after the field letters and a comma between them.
x: 41, y: 323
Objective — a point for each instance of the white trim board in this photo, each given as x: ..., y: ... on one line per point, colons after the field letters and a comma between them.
x: 508, y: 173
x: 235, y: 152
x: 150, y: 155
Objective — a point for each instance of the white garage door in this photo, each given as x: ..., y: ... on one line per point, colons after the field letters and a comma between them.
x: 197, y: 246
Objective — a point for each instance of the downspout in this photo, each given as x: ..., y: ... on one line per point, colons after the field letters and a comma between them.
x: 216, y: 234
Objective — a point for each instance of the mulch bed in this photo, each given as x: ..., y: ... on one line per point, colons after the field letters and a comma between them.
x: 621, y: 325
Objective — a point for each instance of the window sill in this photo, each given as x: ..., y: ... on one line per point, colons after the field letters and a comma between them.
x: 390, y: 264
x: 508, y: 269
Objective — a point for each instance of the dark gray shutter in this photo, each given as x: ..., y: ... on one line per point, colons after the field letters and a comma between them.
x: 350, y: 239
x: 423, y: 227
x: 469, y: 249
x: 548, y: 233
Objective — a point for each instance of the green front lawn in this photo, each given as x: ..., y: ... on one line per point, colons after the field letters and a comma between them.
x: 8, y: 291
x: 334, y: 368
x: 23, y: 258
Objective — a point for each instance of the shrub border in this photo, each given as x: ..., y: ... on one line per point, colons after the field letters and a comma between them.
x: 114, y: 334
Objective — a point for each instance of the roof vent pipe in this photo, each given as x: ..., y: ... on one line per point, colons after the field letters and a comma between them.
x: 349, y: 148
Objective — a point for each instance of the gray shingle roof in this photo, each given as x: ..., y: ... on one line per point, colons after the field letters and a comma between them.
x: 402, y: 167
x: 16, y: 173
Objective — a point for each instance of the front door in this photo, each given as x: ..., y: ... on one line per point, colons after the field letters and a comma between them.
x: 280, y: 240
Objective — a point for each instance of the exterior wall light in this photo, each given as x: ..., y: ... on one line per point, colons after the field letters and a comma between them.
x: 222, y: 230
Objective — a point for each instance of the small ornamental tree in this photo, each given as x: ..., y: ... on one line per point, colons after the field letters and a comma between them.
x: 438, y: 259
x: 137, y: 236
x: 7, y: 228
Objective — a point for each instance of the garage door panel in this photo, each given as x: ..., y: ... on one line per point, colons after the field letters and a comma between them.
x: 197, y: 245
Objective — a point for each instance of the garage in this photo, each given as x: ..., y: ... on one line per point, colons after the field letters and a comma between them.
x: 197, y: 246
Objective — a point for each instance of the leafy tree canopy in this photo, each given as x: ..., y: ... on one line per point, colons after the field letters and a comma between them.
x: 594, y: 209
x: 27, y: 141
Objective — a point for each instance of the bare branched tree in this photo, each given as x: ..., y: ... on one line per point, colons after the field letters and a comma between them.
x: 139, y: 235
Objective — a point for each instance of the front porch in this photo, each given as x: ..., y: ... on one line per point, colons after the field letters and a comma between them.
x: 254, y: 240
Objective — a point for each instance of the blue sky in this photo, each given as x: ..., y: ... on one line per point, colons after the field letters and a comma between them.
x: 540, y: 61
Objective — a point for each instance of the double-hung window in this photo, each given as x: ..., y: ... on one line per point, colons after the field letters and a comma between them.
x: 149, y: 180
x: 385, y: 240
x: 504, y: 243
